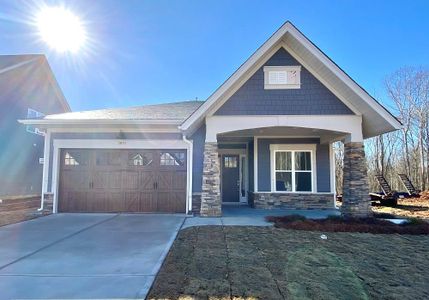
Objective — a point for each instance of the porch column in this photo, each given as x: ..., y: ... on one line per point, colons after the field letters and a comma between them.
x: 356, y: 201
x: 211, y: 205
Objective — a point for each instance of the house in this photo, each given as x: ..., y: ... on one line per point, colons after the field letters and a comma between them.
x: 264, y: 137
x: 28, y: 89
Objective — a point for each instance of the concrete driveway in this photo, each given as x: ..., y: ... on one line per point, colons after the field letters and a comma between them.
x: 83, y: 256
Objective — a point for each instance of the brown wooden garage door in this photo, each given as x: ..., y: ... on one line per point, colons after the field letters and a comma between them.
x: 122, y: 181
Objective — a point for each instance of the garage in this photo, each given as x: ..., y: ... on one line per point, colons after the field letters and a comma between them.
x: 125, y: 180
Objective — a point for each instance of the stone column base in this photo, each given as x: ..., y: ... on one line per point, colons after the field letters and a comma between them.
x: 211, y: 205
x: 356, y: 200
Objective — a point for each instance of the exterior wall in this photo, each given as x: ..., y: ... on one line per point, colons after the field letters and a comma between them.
x: 106, y: 135
x: 313, y: 98
x: 251, y: 152
x: 291, y: 200
x: 22, y: 88
x: 198, y: 139
x: 264, y: 163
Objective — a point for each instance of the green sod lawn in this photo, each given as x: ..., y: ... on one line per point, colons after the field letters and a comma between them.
x: 216, y: 262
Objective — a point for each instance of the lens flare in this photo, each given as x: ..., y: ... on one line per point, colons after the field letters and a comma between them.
x: 62, y: 30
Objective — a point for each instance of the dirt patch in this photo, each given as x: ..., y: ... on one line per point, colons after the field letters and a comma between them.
x: 411, y: 207
x: 339, y: 224
x: 216, y: 262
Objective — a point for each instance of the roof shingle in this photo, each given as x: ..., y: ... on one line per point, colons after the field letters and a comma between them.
x: 167, y: 111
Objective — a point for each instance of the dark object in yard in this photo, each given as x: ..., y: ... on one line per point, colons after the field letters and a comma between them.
x: 387, y: 197
x: 340, y: 224
x: 412, y: 191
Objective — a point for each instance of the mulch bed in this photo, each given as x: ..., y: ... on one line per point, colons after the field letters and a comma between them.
x: 339, y: 224
x: 237, y: 262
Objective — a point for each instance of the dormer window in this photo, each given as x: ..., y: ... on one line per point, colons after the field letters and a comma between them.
x: 282, y: 77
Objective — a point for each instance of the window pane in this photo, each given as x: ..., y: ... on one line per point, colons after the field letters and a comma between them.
x: 172, y: 158
x: 303, y: 161
x: 283, y: 181
x: 140, y: 159
x: 76, y: 158
x: 230, y: 162
x: 107, y: 158
x: 303, y: 181
x: 284, y: 160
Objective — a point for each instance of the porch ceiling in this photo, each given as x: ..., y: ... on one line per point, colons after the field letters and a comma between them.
x: 281, y: 131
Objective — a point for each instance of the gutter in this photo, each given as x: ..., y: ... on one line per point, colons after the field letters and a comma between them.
x: 190, y: 163
x: 97, y: 121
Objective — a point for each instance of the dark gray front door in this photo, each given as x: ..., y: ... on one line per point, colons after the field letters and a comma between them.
x: 230, y: 178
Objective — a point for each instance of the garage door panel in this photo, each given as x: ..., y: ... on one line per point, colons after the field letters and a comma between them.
x: 131, y: 202
x: 123, y: 181
x: 178, y: 199
x: 147, y: 180
x: 75, y: 180
x: 178, y: 180
x: 148, y: 202
x: 96, y: 202
x: 130, y: 180
x: 164, y: 202
x: 165, y: 180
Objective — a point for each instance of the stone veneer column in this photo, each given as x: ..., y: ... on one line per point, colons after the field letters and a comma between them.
x: 211, y: 205
x: 356, y: 201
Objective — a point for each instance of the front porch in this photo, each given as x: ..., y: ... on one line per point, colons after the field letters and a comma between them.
x: 282, y: 167
x: 244, y: 215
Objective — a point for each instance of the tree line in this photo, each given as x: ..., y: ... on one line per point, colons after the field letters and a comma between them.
x: 404, y: 151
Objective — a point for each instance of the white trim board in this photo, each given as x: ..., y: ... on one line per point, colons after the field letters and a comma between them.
x: 118, y: 144
x: 347, y: 124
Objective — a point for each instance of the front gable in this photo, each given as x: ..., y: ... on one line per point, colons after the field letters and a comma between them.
x: 312, y: 98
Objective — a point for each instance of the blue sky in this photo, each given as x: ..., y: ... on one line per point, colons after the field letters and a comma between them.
x: 143, y: 52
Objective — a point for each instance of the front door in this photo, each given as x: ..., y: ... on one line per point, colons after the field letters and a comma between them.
x: 230, y: 178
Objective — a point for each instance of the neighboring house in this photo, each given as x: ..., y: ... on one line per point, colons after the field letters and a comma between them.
x: 28, y: 89
x: 264, y: 137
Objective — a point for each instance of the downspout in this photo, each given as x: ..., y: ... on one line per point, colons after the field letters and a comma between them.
x: 46, y: 146
x: 190, y: 164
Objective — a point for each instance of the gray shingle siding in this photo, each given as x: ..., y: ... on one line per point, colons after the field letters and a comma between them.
x: 322, y: 162
x: 198, y: 140
x: 313, y: 98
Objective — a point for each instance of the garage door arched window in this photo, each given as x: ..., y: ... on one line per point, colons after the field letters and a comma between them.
x: 172, y: 158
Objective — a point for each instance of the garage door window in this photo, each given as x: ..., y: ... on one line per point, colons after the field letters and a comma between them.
x: 75, y: 158
x: 108, y: 159
x: 140, y: 159
x: 172, y: 159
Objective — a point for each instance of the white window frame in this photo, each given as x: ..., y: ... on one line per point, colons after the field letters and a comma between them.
x: 287, y: 69
x: 274, y: 148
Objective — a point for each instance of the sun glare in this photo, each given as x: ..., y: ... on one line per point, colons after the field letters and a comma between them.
x: 61, y: 29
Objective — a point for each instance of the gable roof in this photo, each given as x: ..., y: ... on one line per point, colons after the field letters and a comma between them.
x: 175, y: 112
x: 40, y: 66
x: 375, y: 118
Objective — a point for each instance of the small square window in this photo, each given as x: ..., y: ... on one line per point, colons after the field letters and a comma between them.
x: 230, y: 162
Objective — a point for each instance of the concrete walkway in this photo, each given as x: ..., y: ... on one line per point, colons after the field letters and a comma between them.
x: 245, y: 216
x: 84, y: 256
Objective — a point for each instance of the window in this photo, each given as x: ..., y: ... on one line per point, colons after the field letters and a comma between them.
x: 282, y: 77
x: 34, y: 114
x: 108, y: 158
x: 172, y: 159
x: 140, y: 159
x: 293, y: 171
x: 75, y: 158
x: 230, y: 161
